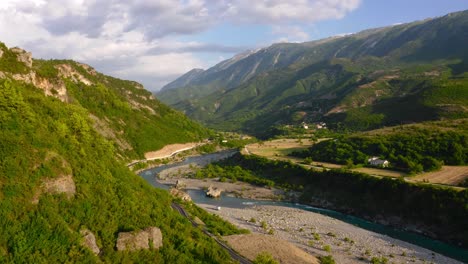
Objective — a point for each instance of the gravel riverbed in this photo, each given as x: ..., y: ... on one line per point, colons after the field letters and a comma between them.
x: 322, y: 235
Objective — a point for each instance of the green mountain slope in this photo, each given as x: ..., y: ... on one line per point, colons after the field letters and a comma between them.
x: 122, y: 111
x: 400, y: 74
x: 60, y: 178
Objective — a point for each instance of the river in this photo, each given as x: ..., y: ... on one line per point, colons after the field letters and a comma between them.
x: 198, y: 196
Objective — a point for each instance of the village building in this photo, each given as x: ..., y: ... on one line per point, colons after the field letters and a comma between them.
x: 321, y: 125
x: 377, y: 162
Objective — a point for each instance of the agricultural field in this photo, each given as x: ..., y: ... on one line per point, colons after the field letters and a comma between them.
x: 449, y: 175
x: 278, y: 147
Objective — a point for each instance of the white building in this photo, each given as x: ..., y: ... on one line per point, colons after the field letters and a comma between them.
x: 377, y: 162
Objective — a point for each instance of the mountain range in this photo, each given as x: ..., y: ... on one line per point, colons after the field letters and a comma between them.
x: 398, y: 74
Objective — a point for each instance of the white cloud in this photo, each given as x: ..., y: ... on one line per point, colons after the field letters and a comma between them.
x: 162, y: 65
x: 139, y: 39
x: 290, y: 34
x: 279, y: 11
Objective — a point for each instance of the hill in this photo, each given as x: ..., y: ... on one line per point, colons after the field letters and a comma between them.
x: 122, y: 111
x: 392, y: 75
x: 65, y: 196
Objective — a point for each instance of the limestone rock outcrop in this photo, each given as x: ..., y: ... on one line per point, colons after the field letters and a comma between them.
x: 67, y: 71
x: 150, y: 237
x: 23, y: 56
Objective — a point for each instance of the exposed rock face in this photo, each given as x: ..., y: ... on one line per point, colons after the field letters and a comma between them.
x: 56, y: 88
x: 150, y: 237
x: 88, y: 68
x: 23, y: 56
x: 213, y: 192
x: 89, y: 241
x: 1, y: 53
x: 68, y: 71
x: 180, y: 194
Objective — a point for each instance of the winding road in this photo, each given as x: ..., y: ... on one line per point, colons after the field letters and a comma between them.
x: 234, y: 255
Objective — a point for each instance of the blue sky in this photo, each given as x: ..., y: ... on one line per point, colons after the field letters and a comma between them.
x: 155, y: 41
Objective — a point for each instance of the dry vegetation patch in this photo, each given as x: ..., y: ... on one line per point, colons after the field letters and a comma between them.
x: 280, y: 147
x: 253, y: 244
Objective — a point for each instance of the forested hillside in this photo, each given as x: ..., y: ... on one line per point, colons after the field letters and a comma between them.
x: 122, y: 111
x: 65, y: 197
x: 399, y: 74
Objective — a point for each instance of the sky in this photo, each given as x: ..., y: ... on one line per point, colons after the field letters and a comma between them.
x: 155, y: 41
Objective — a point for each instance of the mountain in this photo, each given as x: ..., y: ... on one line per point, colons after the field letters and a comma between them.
x: 230, y: 73
x: 121, y: 111
x: 391, y: 75
x: 66, y: 195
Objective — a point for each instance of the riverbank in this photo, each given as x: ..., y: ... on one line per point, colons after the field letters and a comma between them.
x: 316, y: 234
x: 173, y: 172
x: 348, y: 243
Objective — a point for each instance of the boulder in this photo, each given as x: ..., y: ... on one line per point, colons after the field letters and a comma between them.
x: 150, y: 237
x: 213, y: 192
x: 180, y: 194
x: 155, y: 237
x: 89, y: 241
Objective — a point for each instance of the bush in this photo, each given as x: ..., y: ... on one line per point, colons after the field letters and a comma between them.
x: 264, y: 258
x: 326, y: 259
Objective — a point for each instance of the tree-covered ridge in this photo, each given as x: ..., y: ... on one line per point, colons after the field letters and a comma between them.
x: 353, y: 82
x: 412, y: 149
x: 122, y: 111
x: 42, y: 139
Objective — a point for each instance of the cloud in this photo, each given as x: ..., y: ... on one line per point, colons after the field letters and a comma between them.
x: 279, y: 11
x: 290, y: 34
x: 195, y: 47
x: 142, y: 39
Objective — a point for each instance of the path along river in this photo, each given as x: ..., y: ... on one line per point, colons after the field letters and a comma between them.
x: 198, y: 196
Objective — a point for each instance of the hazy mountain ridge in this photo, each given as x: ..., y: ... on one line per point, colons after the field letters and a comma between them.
x: 354, y: 78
